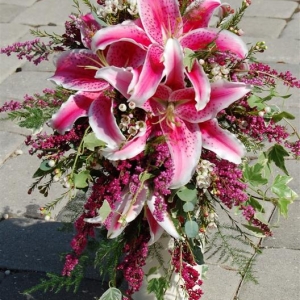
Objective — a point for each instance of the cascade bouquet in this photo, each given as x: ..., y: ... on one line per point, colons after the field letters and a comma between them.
x: 154, y: 115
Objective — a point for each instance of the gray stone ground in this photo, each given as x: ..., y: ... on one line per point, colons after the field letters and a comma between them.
x: 30, y: 246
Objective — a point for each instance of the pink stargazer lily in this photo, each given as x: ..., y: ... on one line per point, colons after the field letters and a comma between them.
x: 165, y: 35
x: 76, y: 70
x: 129, y: 208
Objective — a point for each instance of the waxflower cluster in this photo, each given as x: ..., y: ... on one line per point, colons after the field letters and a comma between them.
x: 154, y: 117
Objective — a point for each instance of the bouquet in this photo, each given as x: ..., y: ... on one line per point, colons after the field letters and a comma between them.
x: 156, y: 116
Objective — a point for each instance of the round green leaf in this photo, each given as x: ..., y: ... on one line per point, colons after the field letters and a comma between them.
x: 187, y: 194
x: 188, y: 206
x: 191, y: 229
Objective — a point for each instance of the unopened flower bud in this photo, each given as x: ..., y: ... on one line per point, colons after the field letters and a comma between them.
x: 122, y: 107
x: 261, y: 113
x: 131, y: 105
x: 51, y: 163
x: 267, y: 109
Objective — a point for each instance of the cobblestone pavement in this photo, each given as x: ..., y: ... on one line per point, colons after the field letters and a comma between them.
x: 29, y: 246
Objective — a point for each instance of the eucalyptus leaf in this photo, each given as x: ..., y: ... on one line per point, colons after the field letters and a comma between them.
x: 191, y: 229
x: 188, y: 206
x: 198, y: 255
x: 187, y: 193
x: 112, y: 294
x: 99, y: 21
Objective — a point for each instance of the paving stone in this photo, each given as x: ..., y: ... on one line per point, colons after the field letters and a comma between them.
x: 16, y: 178
x: 278, y: 274
x: 268, y: 8
x: 28, y: 83
x: 9, y: 143
x: 46, y: 12
x: 256, y: 27
x: 292, y: 30
x: 40, y: 241
x: 11, y: 33
x: 17, y: 282
x: 287, y: 235
x: 23, y: 3
x: 9, y: 65
x: 279, y: 50
x: 9, y: 12
x: 214, y: 287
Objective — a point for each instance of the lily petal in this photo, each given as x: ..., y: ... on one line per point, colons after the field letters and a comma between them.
x: 167, y: 223
x: 104, y: 124
x: 184, y: 141
x: 129, y: 149
x: 75, y: 107
x: 73, y: 72
x: 150, y: 77
x: 173, y: 62
x: 128, y: 210
x: 156, y: 230
x: 225, y: 41
x: 223, y: 93
x: 221, y: 141
x: 119, y: 78
x: 199, y: 13
x: 120, y: 32
x: 201, y: 84
x: 125, y: 54
x: 161, y: 19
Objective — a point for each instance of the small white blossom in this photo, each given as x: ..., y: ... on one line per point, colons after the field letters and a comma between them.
x: 132, y: 130
x: 131, y: 105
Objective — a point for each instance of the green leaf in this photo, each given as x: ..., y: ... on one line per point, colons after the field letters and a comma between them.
x: 112, y: 294
x: 191, y: 229
x: 256, y: 231
x: 255, y: 204
x: 145, y: 176
x: 188, y: 206
x: 90, y: 142
x: 44, y: 166
x: 158, y: 287
x: 187, y: 193
x: 260, y: 216
x: 99, y: 21
x: 253, y: 174
x: 81, y: 179
x: 255, y: 101
x: 281, y: 189
x: 282, y: 205
x: 283, y: 115
x: 104, y: 210
x: 189, y: 58
x: 277, y: 154
x: 198, y: 255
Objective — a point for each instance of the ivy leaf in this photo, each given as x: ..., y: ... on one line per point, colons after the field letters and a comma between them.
x: 282, y: 205
x: 189, y: 58
x: 278, y: 117
x: 277, y: 154
x: 255, y: 204
x: 253, y: 174
x: 91, y: 142
x: 104, y: 210
x: 112, y: 294
x: 191, y: 229
x: 255, y: 101
x: 158, y: 287
x: 187, y: 193
x: 256, y: 231
x: 188, y: 206
x: 281, y: 189
x: 80, y: 179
